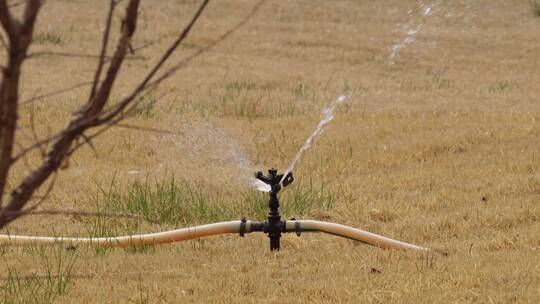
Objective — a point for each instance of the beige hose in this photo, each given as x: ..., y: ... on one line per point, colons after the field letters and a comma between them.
x: 216, y: 229
x: 353, y: 233
x: 122, y: 241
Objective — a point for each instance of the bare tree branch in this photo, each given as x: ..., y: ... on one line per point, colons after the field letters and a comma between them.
x: 62, y: 144
x: 35, y: 145
x: 95, y: 113
x: 88, y: 141
x: 149, y: 85
x: 97, y: 101
x: 182, y: 63
x: 43, y: 197
x: 54, y: 93
x: 142, y: 86
x: 9, y: 24
x: 20, y: 36
x: 114, y: 115
x: 13, y: 215
x: 104, y: 44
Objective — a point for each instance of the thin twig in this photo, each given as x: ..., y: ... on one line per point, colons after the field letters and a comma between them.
x: 138, y: 128
x: 25, y: 161
x: 150, y: 43
x: 34, y: 133
x: 103, y: 52
x: 54, y: 93
x: 35, y: 145
x: 88, y: 141
x: 182, y: 63
x: 91, y: 137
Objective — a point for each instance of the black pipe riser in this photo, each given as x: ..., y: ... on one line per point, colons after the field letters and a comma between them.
x: 274, y: 226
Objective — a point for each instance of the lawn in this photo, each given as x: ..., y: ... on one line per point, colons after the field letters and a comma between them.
x: 438, y: 145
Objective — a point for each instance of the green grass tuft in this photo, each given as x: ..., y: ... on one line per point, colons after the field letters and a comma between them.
x: 52, y: 281
x: 180, y: 203
x: 167, y: 202
x: 48, y: 38
x: 146, y: 106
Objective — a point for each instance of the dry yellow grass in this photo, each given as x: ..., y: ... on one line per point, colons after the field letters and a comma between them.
x: 440, y: 149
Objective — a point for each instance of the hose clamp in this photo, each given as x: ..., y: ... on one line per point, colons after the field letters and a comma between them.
x: 297, y: 229
x: 243, y: 226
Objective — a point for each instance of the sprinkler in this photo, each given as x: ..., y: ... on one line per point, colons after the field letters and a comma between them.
x: 274, y: 226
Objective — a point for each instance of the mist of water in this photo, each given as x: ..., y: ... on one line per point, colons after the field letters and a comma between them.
x: 212, y: 149
x: 411, y: 29
x: 260, y: 186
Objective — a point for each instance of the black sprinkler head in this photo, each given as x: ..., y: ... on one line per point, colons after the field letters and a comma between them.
x: 274, y: 226
x: 274, y: 180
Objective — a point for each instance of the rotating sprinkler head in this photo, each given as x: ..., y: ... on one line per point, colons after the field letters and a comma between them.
x: 274, y: 226
x: 274, y: 180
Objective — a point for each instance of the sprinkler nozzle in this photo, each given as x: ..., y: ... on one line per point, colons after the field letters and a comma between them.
x: 288, y: 179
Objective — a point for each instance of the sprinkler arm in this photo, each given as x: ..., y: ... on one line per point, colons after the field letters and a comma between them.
x: 241, y: 227
x: 288, y: 179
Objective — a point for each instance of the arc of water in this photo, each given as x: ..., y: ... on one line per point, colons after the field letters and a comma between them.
x: 328, y: 115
